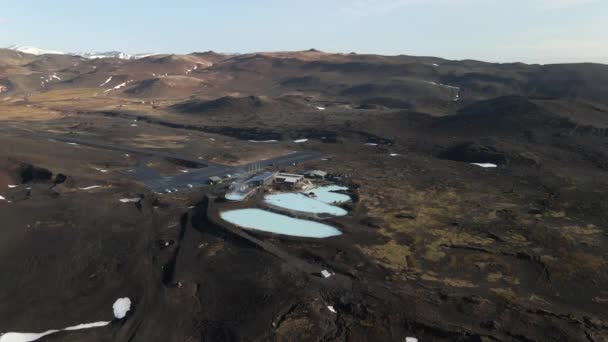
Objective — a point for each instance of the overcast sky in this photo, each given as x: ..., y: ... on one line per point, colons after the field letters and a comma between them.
x: 533, y: 31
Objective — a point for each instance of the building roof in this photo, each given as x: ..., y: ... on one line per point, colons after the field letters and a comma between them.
x: 261, y: 177
x: 317, y: 173
x: 289, y: 177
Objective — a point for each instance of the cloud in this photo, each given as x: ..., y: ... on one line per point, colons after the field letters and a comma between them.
x: 3, y: 20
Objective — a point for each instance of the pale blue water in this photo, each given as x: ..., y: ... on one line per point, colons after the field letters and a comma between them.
x: 300, y: 202
x: 267, y: 221
x: 326, y: 194
x: 235, y: 196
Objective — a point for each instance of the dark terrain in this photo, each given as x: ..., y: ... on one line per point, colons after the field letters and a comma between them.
x: 433, y: 247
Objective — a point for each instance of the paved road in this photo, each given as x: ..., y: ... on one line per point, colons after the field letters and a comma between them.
x: 201, y: 176
x: 193, y: 178
x: 122, y: 148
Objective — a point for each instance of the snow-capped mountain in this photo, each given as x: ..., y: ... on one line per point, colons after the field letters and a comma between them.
x: 34, y: 50
x: 95, y: 55
x: 110, y: 54
x: 90, y: 55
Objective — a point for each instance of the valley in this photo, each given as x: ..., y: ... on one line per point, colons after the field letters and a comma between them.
x: 478, y: 198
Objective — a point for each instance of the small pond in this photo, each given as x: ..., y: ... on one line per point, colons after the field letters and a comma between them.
x: 267, y: 221
x: 319, y: 203
x: 301, y: 202
x: 235, y: 196
x: 328, y: 194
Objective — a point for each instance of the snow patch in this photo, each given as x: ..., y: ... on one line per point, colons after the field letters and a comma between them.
x: 11, y: 186
x: 331, y: 308
x: 2, y: 198
x: 263, y: 141
x: 457, y: 89
x: 34, y: 50
x: 91, y: 187
x: 321, y: 108
x: 117, y: 87
x: 121, y: 307
x: 130, y: 200
x: 411, y: 339
x: 299, y: 141
x: 24, y: 337
x: 485, y: 165
x: 394, y: 154
x: 29, y: 337
x: 106, y: 82
x: 88, y: 326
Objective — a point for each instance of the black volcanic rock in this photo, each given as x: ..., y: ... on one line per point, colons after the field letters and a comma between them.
x: 28, y: 173
x: 508, y: 115
x: 384, y: 102
x: 228, y: 103
x: 241, y: 105
x: 473, y: 153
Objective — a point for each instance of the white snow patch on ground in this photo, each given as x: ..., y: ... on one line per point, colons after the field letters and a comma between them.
x: 2, y: 198
x: 117, y: 87
x: 34, y: 50
x: 11, y: 186
x: 394, y: 154
x: 456, y: 89
x: 72, y: 143
x: 321, y: 108
x: 91, y: 187
x: 442, y: 85
x: 130, y: 200
x: 263, y: 141
x: 485, y: 165
x: 88, y: 326
x: 299, y: 141
x: 24, y: 337
x: 411, y: 339
x: 121, y: 307
x: 326, y: 274
x: 29, y: 337
x: 106, y: 82
x: 371, y: 144
x: 435, y: 64
x: 331, y: 308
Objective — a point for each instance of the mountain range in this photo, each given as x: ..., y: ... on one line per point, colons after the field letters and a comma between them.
x: 478, y: 211
x: 92, y: 55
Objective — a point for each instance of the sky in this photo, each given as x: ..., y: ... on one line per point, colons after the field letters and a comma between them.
x: 531, y: 31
